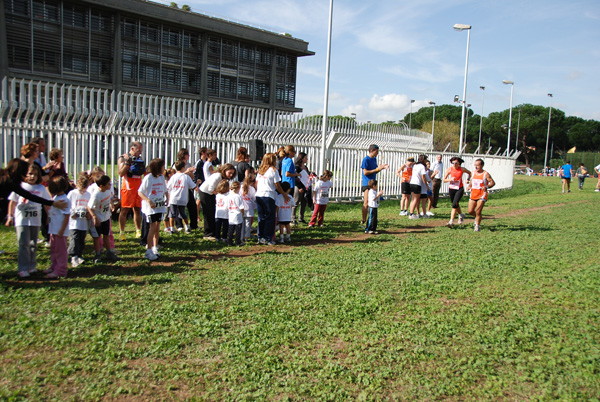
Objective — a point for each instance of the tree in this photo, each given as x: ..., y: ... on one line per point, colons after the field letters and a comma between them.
x: 174, y: 5
x: 445, y: 132
x: 185, y: 7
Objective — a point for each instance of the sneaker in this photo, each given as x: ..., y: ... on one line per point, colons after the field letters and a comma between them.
x: 281, y: 240
x: 23, y: 274
x: 80, y: 260
x: 122, y: 236
x: 111, y: 257
x: 33, y: 271
x: 288, y: 238
x: 41, y: 241
x: 476, y: 228
x: 150, y: 255
x: 115, y: 251
x: 98, y: 258
x: 138, y: 234
x: 271, y: 243
x: 402, y: 213
x: 413, y: 216
x: 597, y: 190
x: 450, y: 224
x: 155, y: 251
x: 74, y: 262
x: 54, y: 275
x: 424, y: 216
x: 47, y: 244
x: 429, y: 213
x: 262, y: 241
x: 48, y: 271
x: 187, y: 230
x: 242, y: 244
x: 461, y: 219
x: 313, y: 226
x: 179, y: 229
x: 211, y: 238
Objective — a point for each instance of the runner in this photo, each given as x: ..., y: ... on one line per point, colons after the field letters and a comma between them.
x: 369, y: 170
x: 418, y: 183
x: 454, y: 176
x: 131, y: 169
x: 480, y: 182
x: 405, y: 173
x: 567, y: 173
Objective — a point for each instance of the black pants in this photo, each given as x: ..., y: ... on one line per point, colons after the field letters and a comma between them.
x: 300, y: 201
x: 372, y: 220
x: 209, y: 203
x: 76, y: 242
x: 221, y: 228
x: 145, y: 230
x: 455, y: 196
x: 437, y: 184
x: 234, y: 230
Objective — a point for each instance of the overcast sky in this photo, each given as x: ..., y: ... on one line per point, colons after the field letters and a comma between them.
x: 387, y: 52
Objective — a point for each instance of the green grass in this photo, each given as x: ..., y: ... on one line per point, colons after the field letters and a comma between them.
x: 510, y: 313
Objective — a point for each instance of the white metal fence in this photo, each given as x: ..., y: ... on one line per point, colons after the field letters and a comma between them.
x: 93, y: 126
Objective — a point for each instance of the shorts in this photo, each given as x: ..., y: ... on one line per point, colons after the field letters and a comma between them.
x: 364, y: 188
x: 423, y: 196
x: 130, y: 198
x: 429, y: 193
x: 104, y: 228
x: 415, y: 188
x: 177, y: 211
x: 154, y: 218
x: 567, y: 179
x: 405, y: 188
x: 283, y: 222
x: 481, y: 199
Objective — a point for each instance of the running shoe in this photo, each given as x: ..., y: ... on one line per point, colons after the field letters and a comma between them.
x: 429, y: 213
x: 74, y: 262
x: 122, y: 236
x: 476, y: 228
x: 262, y: 241
x: 597, y: 190
x: 402, y: 213
x: 450, y: 224
x: 33, y: 271
x: 461, y: 219
x: 188, y: 231
x: 272, y: 243
x: 150, y: 255
x: 111, y: 257
x: 54, y: 275
x: 413, y: 216
x: 138, y: 234
x: 23, y: 274
x: 115, y: 251
x: 48, y: 271
x: 155, y: 251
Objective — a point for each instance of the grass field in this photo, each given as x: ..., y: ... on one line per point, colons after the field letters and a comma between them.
x: 419, y: 312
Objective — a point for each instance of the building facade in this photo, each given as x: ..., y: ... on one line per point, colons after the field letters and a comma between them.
x: 145, y: 47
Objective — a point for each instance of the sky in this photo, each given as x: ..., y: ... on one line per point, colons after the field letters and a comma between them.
x: 386, y: 52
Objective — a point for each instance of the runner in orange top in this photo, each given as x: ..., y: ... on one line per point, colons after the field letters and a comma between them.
x: 480, y: 182
x: 404, y: 173
x: 453, y: 176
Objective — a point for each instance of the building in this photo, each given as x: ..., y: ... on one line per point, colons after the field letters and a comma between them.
x: 145, y: 47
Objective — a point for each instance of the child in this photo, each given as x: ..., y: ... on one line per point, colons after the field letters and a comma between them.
x: 248, y: 193
x: 373, y: 201
x: 166, y: 221
x: 236, y: 215
x: 59, y: 222
x: 222, y: 211
x: 27, y: 218
x: 284, y: 213
x: 78, y: 225
x: 178, y: 186
x: 99, y: 208
x: 96, y: 173
x: 153, y: 191
x: 321, y: 198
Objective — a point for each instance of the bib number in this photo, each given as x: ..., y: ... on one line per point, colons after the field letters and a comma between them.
x: 30, y: 213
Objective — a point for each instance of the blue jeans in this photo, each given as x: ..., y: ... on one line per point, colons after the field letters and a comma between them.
x: 266, y: 217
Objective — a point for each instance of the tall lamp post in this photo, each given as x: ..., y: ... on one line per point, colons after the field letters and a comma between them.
x: 481, y: 119
x: 433, y: 122
x: 410, y: 119
x: 512, y: 87
x: 322, y: 162
x: 463, y: 27
x: 548, y: 135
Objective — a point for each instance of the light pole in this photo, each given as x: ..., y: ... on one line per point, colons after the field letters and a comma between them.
x: 433, y: 122
x: 548, y: 135
x: 410, y: 119
x: 481, y: 119
x: 518, y: 126
x: 467, y: 122
x: 463, y: 27
x: 322, y: 162
x: 512, y: 86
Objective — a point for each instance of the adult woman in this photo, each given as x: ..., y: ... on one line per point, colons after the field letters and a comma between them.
x: 301, y: 195
x: 240, y: 164
x: 453, y: 176
x: 267, y: 188
x: 288, y: 169
x: 581, y: 174
x: 418, y: 182
x: 208, y: 191
x: 30, y: 153
x: 479, y: 185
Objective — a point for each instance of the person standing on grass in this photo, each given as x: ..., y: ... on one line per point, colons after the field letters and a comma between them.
x: 418, y: 183
x: 429, y: 190
x: 184, y: 155
x: 59, y: 223
x: 567, y: 173
x: 222, y: 211
x: 235, y: 205
x: 99, y: 208
x: 405, y: 173
x: 321, y: 198
x: 453, y: 176
x: 284, y: 213
x: 267, y: 186
x: 370, y: 168
x: 248, y: 194
x: 597, y: 169
x: 302, y: 188
x: 240, y: 163
x: 131, y: 169
x: 78, y: 225
x: 208, y: 191
x: 288, y: 169
x: 581, y: 175
x: 154, y: 195
x: 180, y: 188
x: 374, y: 197
x: 479, y: 184
x: 438, y: 169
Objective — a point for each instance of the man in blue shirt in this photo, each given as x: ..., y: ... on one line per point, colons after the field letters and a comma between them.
x: 369, y: 172
x: 567, y: 173
x: 288, y: 169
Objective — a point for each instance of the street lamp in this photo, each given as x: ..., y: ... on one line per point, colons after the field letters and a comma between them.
x: 467, y: 121
x: 481, y: 119
x: 463, y: 27
x: 512, y: 87
x: 433, y: 122
x: 353, y: 115
x: 518, y: 126
x: 410, y: 119
x: 548, y: 135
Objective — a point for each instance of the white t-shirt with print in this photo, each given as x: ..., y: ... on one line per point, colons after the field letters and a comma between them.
x: 56, y: 216
x: 266, y: 184
x: 236, y: 205
x: 154, y: 188
x: 28, y: 213
x: 178, y: 186
x: 321, y: 192
x: 249, y: 201
x: 417, y: 174
x: 284, y: 213
x: 79, y: 202
x: 222, y: 206
x: 373, y: 199
x: 100, y: 204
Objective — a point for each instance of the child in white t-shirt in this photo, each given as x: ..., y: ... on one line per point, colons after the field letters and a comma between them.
x: 236, y: 215
x: 79, y: 222
x: 59, y: 222
x: 373, y: 203
x: 99, y: 207
x: 284, y: 213
x: 222, y: 211
x: 153, y: 192
x: 27, y: 217
x: 321, y: 198
x: 178, y: 186
x: 248, y: 193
